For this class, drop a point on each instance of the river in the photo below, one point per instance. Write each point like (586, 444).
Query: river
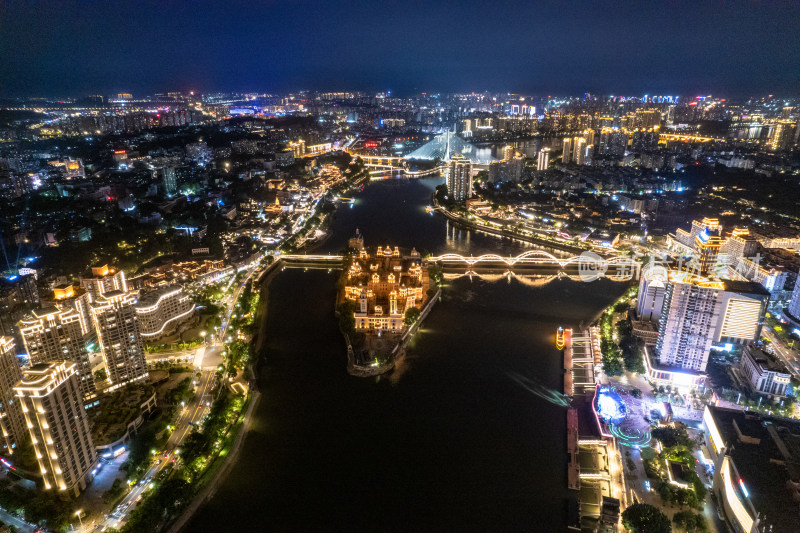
(468, 432)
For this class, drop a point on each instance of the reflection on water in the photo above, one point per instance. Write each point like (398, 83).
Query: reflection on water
(467, 434)
(528, 147)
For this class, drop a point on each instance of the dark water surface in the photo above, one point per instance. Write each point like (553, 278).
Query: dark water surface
(468, 433)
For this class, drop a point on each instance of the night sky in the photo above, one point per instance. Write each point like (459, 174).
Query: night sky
(69, 48)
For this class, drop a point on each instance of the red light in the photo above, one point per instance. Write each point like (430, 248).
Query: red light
(119, 151)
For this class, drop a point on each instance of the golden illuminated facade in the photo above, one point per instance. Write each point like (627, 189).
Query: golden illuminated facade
(12, 423)
(52, 334)
(385, 285)
(104, 279)
(120, 337)
(59, 428)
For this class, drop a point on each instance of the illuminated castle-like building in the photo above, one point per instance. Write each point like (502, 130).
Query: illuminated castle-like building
(383, 286)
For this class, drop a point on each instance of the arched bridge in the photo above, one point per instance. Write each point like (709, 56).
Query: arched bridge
(586, 264)
(539, 257)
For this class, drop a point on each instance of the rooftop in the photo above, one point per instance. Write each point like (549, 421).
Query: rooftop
(766, 452)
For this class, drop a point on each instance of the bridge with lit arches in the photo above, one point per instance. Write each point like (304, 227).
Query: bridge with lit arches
(618, 267)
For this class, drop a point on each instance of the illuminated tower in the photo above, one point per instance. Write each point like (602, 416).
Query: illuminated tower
(104, 279)
(59, 428)
(543, 159)
(688, 321)
(120, 339)
(652, 286)
(579, 150)
(168, 181)
(707, 247)
(792, 313)
(53, 334)
(566, 156)
(459, 178)
(12, 422)
(589, 136)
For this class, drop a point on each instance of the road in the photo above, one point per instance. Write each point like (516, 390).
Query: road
(189, 415)
(789, 357)
(20, 524)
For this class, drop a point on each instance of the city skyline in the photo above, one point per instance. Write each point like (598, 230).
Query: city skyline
(55, 49)
(399, 266)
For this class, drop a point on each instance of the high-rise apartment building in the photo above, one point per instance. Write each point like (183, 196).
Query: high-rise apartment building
(543, 159)
(652, 286)
(50, 398)
(698, 312)
(104, 279)
(459, 178)
(515, 168)
(741, 245)
(169, 182)
(118, 332)
(566, 153)
(792, 313)
(589, 136)
(579, 150)
(688, 318)
(743, 305)
(53, 334)
(707, 247)
(12, 423)
(73, 297)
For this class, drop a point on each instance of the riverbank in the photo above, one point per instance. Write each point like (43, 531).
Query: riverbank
(207, 492)
(511, 235)
(398, 352)
(476, 395)
(218, 473)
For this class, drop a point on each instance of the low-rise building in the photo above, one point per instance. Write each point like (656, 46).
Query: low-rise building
(385, 285)
(162, 310)
(762, 374)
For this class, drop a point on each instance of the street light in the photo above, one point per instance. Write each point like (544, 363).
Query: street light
(79, 512)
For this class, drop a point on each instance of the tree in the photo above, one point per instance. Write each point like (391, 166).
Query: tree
(652, 467)
(347, 319)
(673, 436)
(691, 522)
(644, 518)
(100, 375)
(412, 315)
(666, 493)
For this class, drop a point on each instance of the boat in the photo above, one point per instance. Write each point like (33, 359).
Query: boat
(560, 338)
